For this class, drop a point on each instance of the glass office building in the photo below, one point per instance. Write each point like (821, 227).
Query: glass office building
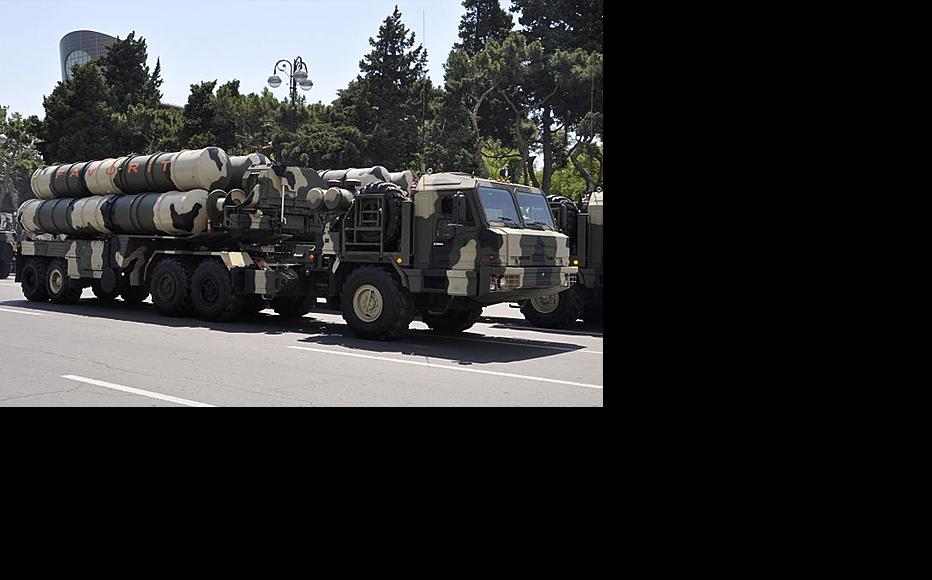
(81, 46)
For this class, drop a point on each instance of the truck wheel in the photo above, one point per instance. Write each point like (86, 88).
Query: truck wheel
(169, 284)
(452, 320)
(555, 310)
(58, 286)
(33, 280)
(134, 294)
(6, 266)
(104, 297)
(293, 306)
(375, 305)
(212, 293)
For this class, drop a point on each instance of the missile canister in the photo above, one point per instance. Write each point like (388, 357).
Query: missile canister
(338, 199)
(364, 176)
(174, 213)
(315, 198)
(207, 168)
(239, 164)
(403, 179)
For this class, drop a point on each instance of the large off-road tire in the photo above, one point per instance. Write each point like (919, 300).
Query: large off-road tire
(33, 280)
(134, 294)
(559, 310)
(293, 306)
(391, 218)
(170, 285)
(212, 292)
(375, 305)
(452, 320)
(58, 286)
(103, 297)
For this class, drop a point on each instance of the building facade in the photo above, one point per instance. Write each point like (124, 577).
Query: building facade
(81, 46)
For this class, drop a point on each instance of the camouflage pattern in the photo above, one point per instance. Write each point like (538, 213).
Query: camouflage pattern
(174, 213)
(533, 262)
(365, 176)
(207, 168)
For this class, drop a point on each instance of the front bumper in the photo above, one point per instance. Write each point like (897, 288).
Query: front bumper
(523, 283)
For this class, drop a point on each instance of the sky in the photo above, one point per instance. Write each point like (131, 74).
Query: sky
(203, 40)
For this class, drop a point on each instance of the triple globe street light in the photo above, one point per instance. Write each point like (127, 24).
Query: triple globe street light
(297, 73)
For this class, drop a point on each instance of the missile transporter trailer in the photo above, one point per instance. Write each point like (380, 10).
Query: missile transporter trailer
(583, 225)
(7, 245)
(219, 237)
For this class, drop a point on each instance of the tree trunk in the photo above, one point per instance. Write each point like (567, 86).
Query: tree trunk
(580, 167)
(547, 178)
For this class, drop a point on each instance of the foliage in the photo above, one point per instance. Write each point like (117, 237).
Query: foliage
(18, 158)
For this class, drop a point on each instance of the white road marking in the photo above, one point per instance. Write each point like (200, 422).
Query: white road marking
(515, 342)
(141, 392)
(20, 312)
(448, 367)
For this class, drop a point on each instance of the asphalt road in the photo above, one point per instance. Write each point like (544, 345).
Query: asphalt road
(119, 355)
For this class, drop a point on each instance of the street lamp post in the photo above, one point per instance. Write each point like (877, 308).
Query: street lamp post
(297, 73)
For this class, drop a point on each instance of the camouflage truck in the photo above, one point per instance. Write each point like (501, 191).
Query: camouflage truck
(7, 243)
(583, 225)
(218, 237)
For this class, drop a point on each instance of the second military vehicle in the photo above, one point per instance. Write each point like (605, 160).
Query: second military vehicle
(583, 225)
(7, 241)
(218, 236)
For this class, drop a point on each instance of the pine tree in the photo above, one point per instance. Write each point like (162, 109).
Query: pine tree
(386, 102)
(77, 124)
(128, 76)
(484, 20)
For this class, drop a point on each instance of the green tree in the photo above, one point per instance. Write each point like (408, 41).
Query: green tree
(387, 102)
(203, 122)
(484, 20)
(19, 158)
(124, 66)
(77, 124)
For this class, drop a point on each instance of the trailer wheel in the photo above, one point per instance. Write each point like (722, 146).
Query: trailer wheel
(212, 293)
(104, 297)
(375, 305)
(169, 285)
(57, 284)
(558, 310)
(452, 320)
(293, 306)
(33, 280)
(134, 294)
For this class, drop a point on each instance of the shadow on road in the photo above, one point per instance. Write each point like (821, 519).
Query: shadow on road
(586, 328)
(465, 348)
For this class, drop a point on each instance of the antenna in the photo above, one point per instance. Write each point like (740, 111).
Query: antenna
(424, 94)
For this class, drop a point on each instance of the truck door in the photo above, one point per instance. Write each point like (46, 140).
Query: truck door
(455, 245)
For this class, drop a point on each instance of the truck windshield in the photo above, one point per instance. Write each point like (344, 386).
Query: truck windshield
(535, 209)
(499, 206)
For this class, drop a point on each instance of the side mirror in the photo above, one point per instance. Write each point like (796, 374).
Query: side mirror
(459, 209)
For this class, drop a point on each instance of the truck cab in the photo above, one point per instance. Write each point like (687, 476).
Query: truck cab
(486, 241)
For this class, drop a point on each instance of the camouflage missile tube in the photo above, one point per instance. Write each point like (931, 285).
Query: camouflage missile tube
(208, 168)
(174, 213)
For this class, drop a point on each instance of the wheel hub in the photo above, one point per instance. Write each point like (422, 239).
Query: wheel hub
(56, 281)
(546, 304)
(368, 303)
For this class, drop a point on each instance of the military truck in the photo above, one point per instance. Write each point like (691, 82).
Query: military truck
(583, 225)
(7, 241)
(217, 237)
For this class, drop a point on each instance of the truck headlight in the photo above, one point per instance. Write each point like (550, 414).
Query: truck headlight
(503, 282)
(493, 283)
